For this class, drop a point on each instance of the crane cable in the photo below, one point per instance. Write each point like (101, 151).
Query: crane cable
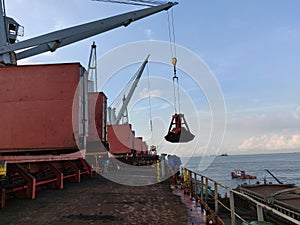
(172, 41)
(150, 106)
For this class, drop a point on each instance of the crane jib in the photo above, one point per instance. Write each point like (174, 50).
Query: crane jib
(57, 39)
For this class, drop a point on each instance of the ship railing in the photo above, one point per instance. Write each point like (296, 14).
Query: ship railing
(200, 188)
(275, 205)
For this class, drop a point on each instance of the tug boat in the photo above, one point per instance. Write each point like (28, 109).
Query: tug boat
(240, 174)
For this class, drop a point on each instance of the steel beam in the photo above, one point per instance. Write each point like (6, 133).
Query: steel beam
(76, 171)
(58, 175)
(57, 39)
(31, 181)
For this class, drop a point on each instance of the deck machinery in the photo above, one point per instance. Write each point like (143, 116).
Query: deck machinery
(45, 107)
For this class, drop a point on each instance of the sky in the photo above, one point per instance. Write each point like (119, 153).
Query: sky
(251, 48)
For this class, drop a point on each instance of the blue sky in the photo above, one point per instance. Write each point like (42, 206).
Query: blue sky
(252, 47)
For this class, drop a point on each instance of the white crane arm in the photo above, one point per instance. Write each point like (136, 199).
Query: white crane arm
(57, 39)
(132, 89)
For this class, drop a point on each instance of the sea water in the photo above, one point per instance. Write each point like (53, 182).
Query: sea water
(285, 166)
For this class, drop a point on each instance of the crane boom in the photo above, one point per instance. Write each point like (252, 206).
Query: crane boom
(273, 176)
(57, 39)
(116, 119)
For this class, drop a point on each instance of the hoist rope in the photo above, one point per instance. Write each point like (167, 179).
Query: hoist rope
(171, 33)
(135, 2)
(176, 90)
(173, 29)
(174, 94)
(150, 106)
(178, 97)
(172, 40)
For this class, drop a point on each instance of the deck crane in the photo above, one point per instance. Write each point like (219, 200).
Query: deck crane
(11, 51)
(115, 119)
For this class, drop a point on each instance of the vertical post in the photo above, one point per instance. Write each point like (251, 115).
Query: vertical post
(232, 210)
(260, 213)
(196, 187)
(5, 58)
(185, 177)
(3, 31)
(163, 166)
(158, 170)
(201, 188)
(216, 197)
(188, 182)
(206, 189)
(191, 183)
(95, 65)
(97, 169)
(85, 108)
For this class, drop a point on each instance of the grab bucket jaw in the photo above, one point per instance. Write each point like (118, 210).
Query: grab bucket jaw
(177, 133)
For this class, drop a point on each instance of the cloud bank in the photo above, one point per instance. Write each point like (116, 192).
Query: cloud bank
(271, 142)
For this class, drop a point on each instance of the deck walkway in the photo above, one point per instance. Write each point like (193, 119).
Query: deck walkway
(195, 214)
(98, 201)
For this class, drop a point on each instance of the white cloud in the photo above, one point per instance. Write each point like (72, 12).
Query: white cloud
(153, 93)
(271, 142)
(148, 33)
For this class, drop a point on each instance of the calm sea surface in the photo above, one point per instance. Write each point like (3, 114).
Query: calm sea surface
(285, 166)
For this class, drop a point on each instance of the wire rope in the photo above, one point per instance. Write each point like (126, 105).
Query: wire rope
(174, 94)
(150, 105)
(178, 95)
(172, 40)
(173, 29)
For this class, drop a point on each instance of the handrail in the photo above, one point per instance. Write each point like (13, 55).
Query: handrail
(192, 185)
